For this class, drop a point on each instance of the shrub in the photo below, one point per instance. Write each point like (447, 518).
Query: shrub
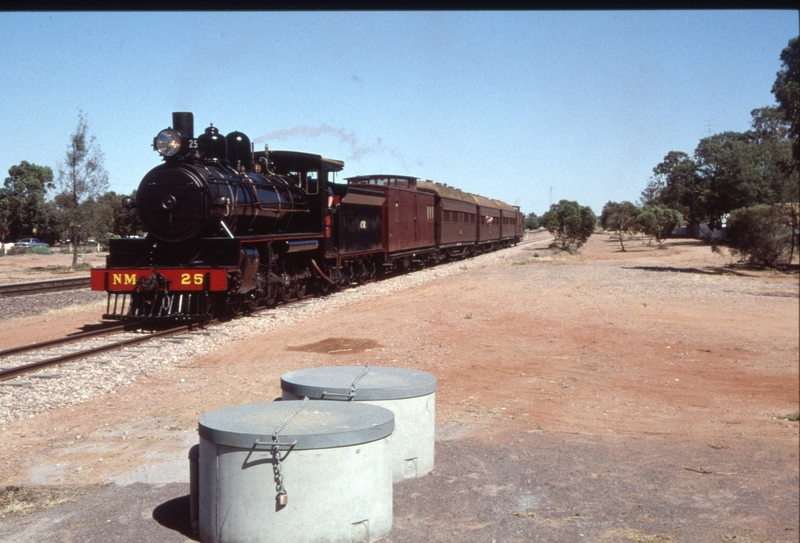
(658, 221)
(570, 223)
(759, 235)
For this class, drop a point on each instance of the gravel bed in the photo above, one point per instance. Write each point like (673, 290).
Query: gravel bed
(35, 304)
(76, 382)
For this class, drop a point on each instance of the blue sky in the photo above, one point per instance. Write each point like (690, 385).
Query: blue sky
(527, 107)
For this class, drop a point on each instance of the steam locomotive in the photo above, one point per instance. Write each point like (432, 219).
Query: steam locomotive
(230, 228)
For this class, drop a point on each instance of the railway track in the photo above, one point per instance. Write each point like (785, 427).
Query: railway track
(34, 357)
(26, 359)
(49, 285)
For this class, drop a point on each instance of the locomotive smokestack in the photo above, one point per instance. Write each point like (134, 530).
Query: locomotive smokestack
(183, 121)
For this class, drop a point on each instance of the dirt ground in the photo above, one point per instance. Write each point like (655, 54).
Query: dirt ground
(602, 396)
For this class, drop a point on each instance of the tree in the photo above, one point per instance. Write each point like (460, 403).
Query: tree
(23, 209)
(620, 217)
(759, 234)
(658, 221)
(124, 221)
(787, 92)
(532, 221)
(570, 223)
(678, 184)
(81, 177)
(726, 166)
(728, 171)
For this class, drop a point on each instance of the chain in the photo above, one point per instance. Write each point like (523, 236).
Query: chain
(276, 454)
(353, 387)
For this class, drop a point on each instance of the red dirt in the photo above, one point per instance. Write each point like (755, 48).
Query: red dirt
(518, 351)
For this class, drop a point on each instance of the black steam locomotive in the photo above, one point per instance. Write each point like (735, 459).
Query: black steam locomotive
(230, 228)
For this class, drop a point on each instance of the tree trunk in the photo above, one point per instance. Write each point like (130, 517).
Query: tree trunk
(74, 240)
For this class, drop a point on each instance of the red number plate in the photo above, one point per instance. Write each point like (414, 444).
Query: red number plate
(181, 279)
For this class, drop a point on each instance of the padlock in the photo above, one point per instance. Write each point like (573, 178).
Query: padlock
(282, 499)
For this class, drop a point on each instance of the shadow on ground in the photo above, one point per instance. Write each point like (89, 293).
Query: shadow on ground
(174, 515)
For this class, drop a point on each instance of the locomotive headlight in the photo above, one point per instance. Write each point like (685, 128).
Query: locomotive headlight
(168, 142)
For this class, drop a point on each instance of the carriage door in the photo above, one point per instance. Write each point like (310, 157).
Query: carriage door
(416, 222)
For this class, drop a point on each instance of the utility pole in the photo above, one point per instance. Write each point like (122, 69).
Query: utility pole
(710, 121)
(551, 194)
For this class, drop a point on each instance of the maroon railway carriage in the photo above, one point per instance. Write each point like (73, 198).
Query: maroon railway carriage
(406, 217)
(488, 224)
(455, 219)
(512, 223)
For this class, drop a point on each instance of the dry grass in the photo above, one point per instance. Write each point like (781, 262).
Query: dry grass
(633, 535)
(15, 500)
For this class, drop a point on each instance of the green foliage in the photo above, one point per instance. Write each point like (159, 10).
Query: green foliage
(570, 223)
(677, 184)
(79, 210)
(23, 209)
(533, 221)
(124, 221)
(759, 234)
(82, 178)
(620, 217)
(728, 171)
(787, 91)
(658, 221)
(40, 250)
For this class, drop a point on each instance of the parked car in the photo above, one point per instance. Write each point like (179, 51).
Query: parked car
(30, 242)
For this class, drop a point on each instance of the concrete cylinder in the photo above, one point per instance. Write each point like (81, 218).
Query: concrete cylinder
(334, 465)
(409, 394)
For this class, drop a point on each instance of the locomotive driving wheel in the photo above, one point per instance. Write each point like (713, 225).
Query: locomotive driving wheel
(272, 294)
(250, 302)
(234, 303)
(301, 282)
(286, 289)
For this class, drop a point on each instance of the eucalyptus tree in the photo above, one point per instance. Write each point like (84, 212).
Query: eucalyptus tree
(787, 91)
(658, 221)
(570, 223)
(82, 178)
(23, 209)
(621, 218)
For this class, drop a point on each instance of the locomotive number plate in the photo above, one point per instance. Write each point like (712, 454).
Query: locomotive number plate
(180, 279)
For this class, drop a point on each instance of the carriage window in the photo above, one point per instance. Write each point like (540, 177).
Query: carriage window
(430, 213)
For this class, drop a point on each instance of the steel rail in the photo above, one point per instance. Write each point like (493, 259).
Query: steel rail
(49, 285)
(108, 330)
(10, 373)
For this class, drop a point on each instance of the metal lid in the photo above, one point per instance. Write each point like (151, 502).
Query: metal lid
(378, 383)
(319, 425)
